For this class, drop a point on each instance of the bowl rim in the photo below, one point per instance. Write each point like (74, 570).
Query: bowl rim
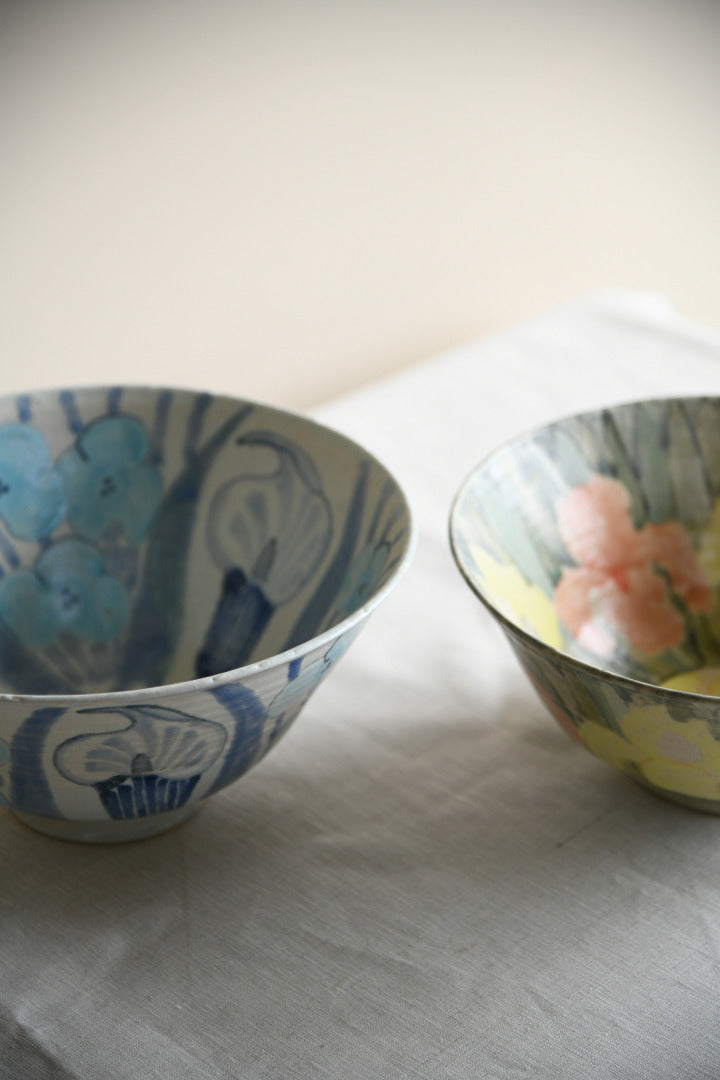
(276, 660)
(530, 641)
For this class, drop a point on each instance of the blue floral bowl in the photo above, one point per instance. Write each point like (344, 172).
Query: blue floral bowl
(178, 572)
(595, 542)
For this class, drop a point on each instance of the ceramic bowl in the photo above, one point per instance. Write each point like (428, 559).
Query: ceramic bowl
(595, 542)
(178, 572)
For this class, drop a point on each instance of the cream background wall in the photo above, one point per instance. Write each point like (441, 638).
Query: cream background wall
(285, 201)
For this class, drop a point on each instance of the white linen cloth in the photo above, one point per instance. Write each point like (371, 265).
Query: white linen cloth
(426, 878)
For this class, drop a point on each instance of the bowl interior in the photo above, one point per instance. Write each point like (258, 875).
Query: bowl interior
(151, 536)
(599, 535)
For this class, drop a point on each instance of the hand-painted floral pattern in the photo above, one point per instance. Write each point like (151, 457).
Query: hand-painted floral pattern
(302, 681)
(68, 589)
(32, 499)
(526, 604)
(627, 578)
(120, 585)
(104, 490)
(269, 529)
(107, 479)
(148, 765)
(705, 680)
(614, 516)
(374, 561)
(149, 738)
(273, 519)
(683, 758)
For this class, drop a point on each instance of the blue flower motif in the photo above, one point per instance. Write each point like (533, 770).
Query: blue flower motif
(32, 500)
(302, 681)
(146, 739)
(107, 479)
(67, 589)
(149, 764)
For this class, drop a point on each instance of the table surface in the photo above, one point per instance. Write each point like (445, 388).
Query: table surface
(426, 878)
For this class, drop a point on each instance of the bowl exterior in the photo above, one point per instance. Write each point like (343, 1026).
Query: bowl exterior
(107, 771)
(178, 572)
(667, 741)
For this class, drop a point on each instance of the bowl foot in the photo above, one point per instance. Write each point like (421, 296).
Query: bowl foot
(704, 806)
(108, 832)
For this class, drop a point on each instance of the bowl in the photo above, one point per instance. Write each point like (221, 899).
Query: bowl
(595, 543)
(178, 573)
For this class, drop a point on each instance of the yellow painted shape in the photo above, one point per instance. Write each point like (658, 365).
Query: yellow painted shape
(704, 680)
(680, 757)
(526, 604)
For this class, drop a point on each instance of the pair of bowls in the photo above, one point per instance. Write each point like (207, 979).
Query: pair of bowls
(179, 572)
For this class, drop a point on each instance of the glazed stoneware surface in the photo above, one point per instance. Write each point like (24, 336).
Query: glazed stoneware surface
(178, 572)
(596, 544)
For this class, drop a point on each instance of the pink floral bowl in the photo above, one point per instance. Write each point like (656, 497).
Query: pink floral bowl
(595, 543)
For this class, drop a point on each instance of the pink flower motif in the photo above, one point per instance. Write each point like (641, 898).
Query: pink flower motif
(621, 582)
